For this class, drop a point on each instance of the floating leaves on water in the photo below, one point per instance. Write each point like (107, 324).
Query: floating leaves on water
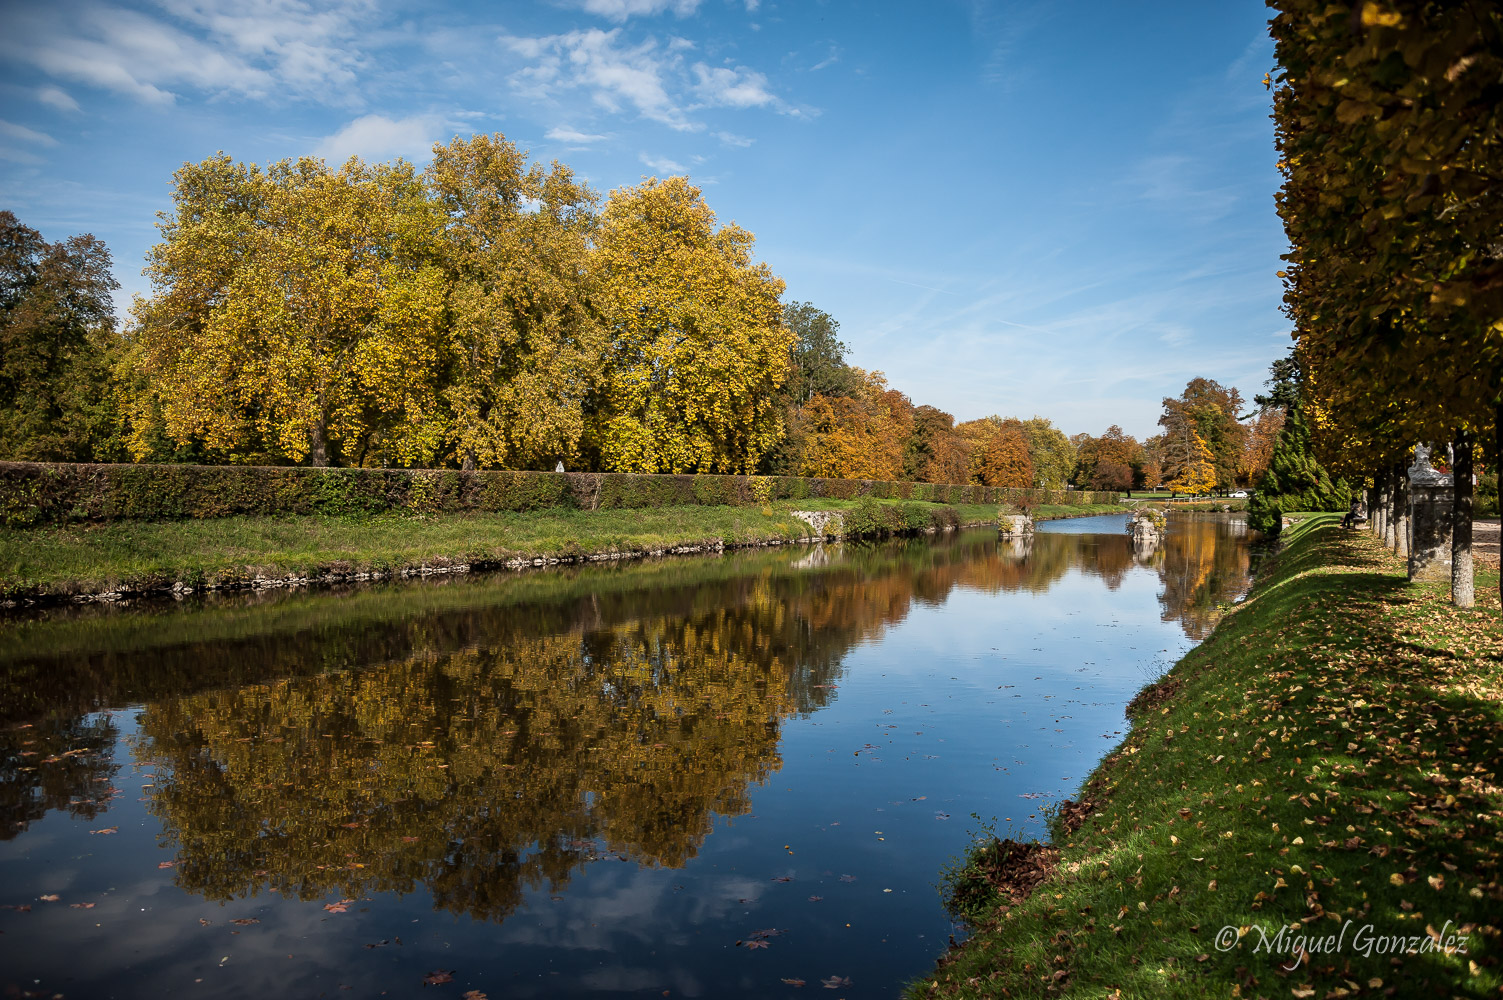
(108, 829)
(835, 982)
(82, 906)
(815, 899)
(793, 982)
(51, 898)
(847, 878)
(342, 906)
(246, 921)
(782, 878)
(438, 977)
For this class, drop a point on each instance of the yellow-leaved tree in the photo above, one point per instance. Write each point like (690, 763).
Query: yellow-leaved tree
(697, 341)
(297, 313)
(524, 342)
(1198, 473)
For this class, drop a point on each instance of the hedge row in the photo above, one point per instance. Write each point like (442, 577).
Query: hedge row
(45, 493)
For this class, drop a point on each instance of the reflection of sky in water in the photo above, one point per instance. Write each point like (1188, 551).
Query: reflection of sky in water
(967, 679)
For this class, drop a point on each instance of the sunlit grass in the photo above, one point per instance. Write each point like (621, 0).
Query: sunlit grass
(1328, 757)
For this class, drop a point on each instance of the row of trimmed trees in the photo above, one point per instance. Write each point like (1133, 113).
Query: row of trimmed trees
(1389, 120)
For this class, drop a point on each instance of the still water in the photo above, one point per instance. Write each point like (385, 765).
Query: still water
(702, 777)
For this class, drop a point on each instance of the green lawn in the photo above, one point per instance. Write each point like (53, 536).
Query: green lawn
(1327, 762)
(94, 558)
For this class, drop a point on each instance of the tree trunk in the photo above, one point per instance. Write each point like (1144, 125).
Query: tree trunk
(1395, 505)
(1462, 581)
(319, 444)
(468, 465)
(1400, 510)
(1380, 503)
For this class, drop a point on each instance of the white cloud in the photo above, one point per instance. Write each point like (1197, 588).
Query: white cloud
(614, 74)
(732, 139)
(663, 165)
(620, 10)
(752, 5)
(377, 138)
(255, 48)
(562, 133)
(57, 99)
(21, 133)
(736, 88)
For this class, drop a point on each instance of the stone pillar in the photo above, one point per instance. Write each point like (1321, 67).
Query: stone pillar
(1430, 505)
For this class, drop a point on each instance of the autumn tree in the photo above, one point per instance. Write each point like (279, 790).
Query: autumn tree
(1005, 462)
(1390, 134)
(57, 343)
(857, 437)
(1208, 413)
(934, 452)
(524, 344)
(698, 346)
(297, 313)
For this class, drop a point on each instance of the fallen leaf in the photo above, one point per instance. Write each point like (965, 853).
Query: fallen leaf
(836, 982)
(82, 906)
(438, 977)
(793, 982)
(53, 898)
(108, 829)
(245, 921)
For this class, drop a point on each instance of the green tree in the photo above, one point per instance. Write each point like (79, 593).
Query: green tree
(57, 345)
(1295, 480)
(1052, 454)
(818, 366)
(1206, 412)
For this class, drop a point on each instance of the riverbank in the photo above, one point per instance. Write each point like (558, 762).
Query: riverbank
(120, 558)
(1320, 776)
(141, 557)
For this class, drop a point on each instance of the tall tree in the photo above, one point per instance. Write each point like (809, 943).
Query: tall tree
(1206, 412)
(935, 453)
(1390, 134)
(57, 340)
(698, 343)
(817, 361)
(297, 312)
(524, 342)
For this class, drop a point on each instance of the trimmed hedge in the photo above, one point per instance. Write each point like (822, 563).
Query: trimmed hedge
(33, 493)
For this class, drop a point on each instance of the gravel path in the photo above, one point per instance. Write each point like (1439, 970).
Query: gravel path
(1485, 541)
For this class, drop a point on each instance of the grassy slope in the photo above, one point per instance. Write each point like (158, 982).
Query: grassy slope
(1330, 754)
(91, 558)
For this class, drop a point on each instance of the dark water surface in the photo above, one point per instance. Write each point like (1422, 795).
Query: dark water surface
(696, 777)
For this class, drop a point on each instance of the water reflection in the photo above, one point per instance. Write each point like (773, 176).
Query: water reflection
(482, 739)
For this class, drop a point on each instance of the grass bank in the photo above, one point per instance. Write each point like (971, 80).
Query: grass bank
(1321, 776)
(1054, 512)
(146, 555)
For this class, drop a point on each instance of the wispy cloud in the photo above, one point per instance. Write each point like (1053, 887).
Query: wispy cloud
(256, 48)
(736, 88)
(563, 133)
(644, 76)
(621, 10)
(732, 139)
(57, 99)
(663, 165)
(20, 133)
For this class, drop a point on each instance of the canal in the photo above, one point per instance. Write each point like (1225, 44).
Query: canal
(696, 777)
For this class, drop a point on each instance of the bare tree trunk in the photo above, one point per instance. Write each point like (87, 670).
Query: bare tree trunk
(1380, 503)
(1462, 582)
(1395, 505)
(1400, 510)
(319, 448)
(468, 465)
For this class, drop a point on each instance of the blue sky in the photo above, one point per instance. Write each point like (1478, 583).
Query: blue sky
(1054, 208)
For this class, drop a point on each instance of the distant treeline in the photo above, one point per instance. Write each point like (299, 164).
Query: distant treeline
(490, 313)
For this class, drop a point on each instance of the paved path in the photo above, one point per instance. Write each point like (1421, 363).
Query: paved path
(1485, 541)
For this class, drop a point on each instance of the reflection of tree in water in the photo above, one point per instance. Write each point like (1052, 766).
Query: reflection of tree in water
(59, 763)
(484, 747)
(1205, 564)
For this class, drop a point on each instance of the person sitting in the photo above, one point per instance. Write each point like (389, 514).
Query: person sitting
(1353, 515)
